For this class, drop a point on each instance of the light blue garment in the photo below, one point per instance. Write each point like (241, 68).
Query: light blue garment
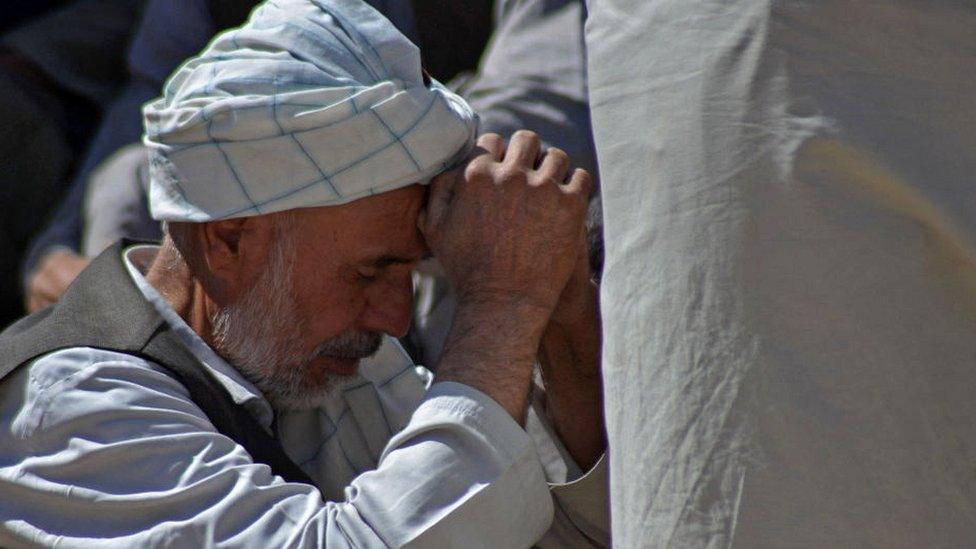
(104, 449)
(310, 103)
(789, 299)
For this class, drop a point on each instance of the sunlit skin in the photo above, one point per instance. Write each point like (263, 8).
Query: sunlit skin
(355, 275)
(350, 275)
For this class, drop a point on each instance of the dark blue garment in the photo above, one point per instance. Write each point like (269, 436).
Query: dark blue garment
(59, 71)
(16, 12)
(169, 32)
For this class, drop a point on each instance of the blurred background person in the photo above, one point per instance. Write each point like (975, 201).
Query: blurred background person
(59, 69)
(16, 11)
(168, 32)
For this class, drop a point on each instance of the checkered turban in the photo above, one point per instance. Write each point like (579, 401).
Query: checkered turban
(310, 103)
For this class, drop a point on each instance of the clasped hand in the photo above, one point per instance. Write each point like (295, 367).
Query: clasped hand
(509, 230)
(508, 227)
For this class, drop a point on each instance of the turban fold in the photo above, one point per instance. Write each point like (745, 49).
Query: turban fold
(310, 103)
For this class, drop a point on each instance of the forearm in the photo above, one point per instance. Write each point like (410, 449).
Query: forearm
(569, 357)
(492, 347)
(460, 456)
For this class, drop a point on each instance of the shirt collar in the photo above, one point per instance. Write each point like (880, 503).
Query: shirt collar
(390, 372)
(137, 260)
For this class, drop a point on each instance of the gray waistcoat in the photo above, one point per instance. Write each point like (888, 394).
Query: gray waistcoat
(104, 309)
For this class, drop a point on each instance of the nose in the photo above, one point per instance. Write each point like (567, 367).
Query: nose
(389, 306)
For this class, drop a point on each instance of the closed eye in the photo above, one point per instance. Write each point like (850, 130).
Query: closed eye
(368, 274)
(372, 269)
(389, 260)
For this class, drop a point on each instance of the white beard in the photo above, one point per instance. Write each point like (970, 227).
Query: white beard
(260, 336)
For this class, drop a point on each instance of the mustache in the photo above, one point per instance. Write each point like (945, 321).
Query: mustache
(348, 345)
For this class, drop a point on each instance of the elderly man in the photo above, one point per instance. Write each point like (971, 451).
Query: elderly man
(238, 384)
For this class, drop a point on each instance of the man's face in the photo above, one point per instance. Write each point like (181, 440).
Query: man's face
(336, 279)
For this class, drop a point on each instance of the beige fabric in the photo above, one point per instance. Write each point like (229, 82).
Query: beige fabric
(790, 290)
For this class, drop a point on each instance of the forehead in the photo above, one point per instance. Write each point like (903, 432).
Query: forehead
(385, 224)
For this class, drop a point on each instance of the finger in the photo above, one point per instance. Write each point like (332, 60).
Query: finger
(34, 304)
(523, 150)
(38, 299)
(554, 165)
(42, 285)
(64, 278)
(439, 194)
(493, 144)
(49, 292)
(579, 183)
(422, 220)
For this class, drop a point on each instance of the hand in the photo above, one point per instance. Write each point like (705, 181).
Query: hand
(578, 300)
(51, 278)
(505, 230)
(507, 235)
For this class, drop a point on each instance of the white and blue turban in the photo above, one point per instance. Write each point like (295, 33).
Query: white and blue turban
(310, 103)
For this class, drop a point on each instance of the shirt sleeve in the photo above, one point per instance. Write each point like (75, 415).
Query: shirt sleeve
(115, 452)
(581, 498)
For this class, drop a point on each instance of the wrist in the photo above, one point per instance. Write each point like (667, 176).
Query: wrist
(569, 351)
(578, 305)
(513, 321)
(492, 347)
(505, 377)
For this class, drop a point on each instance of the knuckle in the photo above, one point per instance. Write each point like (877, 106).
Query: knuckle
(584, 180)
(576, 201)
(479, 168)
(491, 140)
(490, 137)
(557, 154)
(536, 178)
(527, 135)
(509, 173)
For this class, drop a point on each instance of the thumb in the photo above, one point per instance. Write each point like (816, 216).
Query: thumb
(438, 201)
(422, 220)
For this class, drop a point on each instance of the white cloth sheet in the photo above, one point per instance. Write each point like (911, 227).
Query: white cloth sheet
(790, 290)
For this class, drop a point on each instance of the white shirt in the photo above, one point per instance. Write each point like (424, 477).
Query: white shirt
(104, 449)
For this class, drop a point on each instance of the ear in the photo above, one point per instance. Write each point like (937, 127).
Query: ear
(235, 251)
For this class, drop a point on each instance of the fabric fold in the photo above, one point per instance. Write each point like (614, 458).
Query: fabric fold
(298, 108)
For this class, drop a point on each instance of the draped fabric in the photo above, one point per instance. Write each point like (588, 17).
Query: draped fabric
(789, 296)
